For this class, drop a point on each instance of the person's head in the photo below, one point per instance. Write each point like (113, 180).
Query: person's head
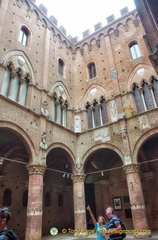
(4, 218)
(109, 211)
(101, 220)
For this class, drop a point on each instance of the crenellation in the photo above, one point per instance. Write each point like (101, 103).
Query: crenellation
(75, 108)
(70, 38)
(98, 26)
(75, 39)
(53, 20)
(124, 11)
(110, 19)
(63, 30)
(86, 33)
(43, 9)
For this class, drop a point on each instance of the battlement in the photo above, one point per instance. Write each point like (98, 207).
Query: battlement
(110, 19)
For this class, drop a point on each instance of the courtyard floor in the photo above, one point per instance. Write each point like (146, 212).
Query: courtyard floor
(62, 236)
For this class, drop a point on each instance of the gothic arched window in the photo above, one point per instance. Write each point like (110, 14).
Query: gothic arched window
(104, 113)
(135, 51)
(148, 98)
(25, 198)
(138, 99)
(97, 113)
(24, 35)
(59, 109)
(7, 197)
(15, 84)
(89, 115)
(60, 200)
(155, 90)
(47, 199)
(60, 66)
(91, 70)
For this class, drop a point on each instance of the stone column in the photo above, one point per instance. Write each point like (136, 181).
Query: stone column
(35, 199)
(79, 202)
(6, 82)
(105, 194)
(150, 180)
(14, 87)
(140, 222)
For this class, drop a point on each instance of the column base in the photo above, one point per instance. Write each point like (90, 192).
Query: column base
(80, 235)
(142, 235)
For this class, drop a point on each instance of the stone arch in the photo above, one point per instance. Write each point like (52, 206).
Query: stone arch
(84, 44)
(36, 12)
(135, 77)
(28, 4)
(16, 54)
(151, 78)
(65, 44)
(27, 28)
(66, 149)
(59, 37)
(102, 90)
(77, 50)
(141, 141)
(93, 40)
(110, 31)
(58, 182)
(101, 146)
(101, 35)
(45, 22)
(25, 138)
(119, 25)
(53, 31)
(128, 20)
(58, 84)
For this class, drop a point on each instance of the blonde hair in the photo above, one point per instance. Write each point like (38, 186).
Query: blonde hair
(102, 218)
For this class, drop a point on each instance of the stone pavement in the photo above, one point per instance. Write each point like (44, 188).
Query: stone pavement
(62, 236)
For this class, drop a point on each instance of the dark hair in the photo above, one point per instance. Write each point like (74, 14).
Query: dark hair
(111, 209)
(4, 213)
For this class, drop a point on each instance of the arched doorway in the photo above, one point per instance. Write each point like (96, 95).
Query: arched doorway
(14, 156)
(105, 174)
(148, 160)
(58, 191)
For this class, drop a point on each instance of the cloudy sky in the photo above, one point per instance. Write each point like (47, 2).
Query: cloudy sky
(78, 16)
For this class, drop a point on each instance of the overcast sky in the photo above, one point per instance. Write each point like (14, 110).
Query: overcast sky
(78, 16)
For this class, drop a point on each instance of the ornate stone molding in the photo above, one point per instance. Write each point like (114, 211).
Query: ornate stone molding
(79, 163)
(104, 182)
(36, 169)
(149, 175)
(131, 168)
(78, 178)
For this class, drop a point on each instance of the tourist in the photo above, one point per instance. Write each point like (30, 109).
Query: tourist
(5, 233)
(99, 225)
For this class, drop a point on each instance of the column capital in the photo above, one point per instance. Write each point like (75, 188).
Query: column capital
(78, 178)
(131, 168)
(36, 169)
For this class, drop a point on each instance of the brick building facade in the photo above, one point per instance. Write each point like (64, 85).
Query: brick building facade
(78, 122)
(147, 10)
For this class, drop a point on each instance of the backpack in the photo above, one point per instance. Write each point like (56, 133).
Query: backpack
(123, 228)
(9, 234)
